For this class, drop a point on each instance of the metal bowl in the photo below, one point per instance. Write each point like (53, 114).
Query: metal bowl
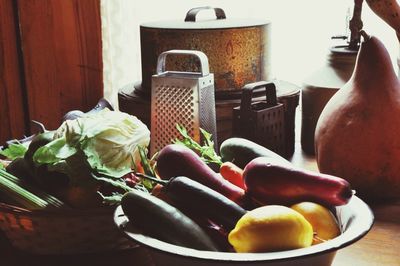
(355, 219)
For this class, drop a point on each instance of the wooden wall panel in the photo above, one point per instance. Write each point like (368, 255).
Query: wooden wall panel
(62, 56)
(12, 115)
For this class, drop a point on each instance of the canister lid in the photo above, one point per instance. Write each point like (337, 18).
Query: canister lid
(190, 22)
(205, 24)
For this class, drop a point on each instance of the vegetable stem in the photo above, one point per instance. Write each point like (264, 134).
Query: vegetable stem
(9, 186)
(152, 178)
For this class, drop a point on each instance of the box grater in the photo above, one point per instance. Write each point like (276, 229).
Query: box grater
(184, 98)
(262, 121)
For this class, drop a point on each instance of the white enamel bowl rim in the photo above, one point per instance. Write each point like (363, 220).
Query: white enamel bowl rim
(356, 219)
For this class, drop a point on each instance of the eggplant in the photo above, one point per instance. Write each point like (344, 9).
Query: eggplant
(177, 160)
(270, 181)
(241, 151)
(163, 221)
(191, 196)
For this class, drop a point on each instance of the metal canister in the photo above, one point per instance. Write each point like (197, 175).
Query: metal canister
(320, 86)
(238, 50)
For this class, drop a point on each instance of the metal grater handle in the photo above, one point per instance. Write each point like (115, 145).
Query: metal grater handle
(204, 67)
(247, 97)
(247, 94)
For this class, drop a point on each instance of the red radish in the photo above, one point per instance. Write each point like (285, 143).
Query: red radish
(131, 179)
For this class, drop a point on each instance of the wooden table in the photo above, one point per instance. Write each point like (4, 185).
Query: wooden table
(380, 247)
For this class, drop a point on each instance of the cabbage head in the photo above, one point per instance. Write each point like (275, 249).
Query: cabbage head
(108, 140)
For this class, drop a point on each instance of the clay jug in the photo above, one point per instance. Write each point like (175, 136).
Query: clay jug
(357, 136)
(319, 87)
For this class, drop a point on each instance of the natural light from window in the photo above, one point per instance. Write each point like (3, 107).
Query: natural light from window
(301, 31)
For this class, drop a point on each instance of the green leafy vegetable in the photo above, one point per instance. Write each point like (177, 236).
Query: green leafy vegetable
(3, 164)
(108, 139)
(205, 151)
(112, 182)
(14, 151)
(148, 168)
(95, 152)
(114, 199)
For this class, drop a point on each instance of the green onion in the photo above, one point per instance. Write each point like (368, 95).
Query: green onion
(26, 195)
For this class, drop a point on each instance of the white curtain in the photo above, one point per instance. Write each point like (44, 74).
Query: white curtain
(301, 32)
(120, 46)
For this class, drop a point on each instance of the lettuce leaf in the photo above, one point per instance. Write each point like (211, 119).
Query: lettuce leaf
(14, 151)
(108, 139)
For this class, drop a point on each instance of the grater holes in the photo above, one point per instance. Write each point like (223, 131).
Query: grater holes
(173, 106)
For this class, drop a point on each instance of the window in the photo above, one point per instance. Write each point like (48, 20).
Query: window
(301, 31)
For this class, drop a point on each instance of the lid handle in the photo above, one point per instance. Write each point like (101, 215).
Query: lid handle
(204, 67)
(191, 14)
(247, 96)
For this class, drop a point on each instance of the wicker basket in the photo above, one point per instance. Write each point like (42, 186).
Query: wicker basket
(61, 232)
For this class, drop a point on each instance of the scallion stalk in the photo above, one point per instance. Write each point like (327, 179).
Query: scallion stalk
(27, 196)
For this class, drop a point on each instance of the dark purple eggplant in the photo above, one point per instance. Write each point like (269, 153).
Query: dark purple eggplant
(192, 196)
(269, 181)
(163, 221)
(177, 160)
